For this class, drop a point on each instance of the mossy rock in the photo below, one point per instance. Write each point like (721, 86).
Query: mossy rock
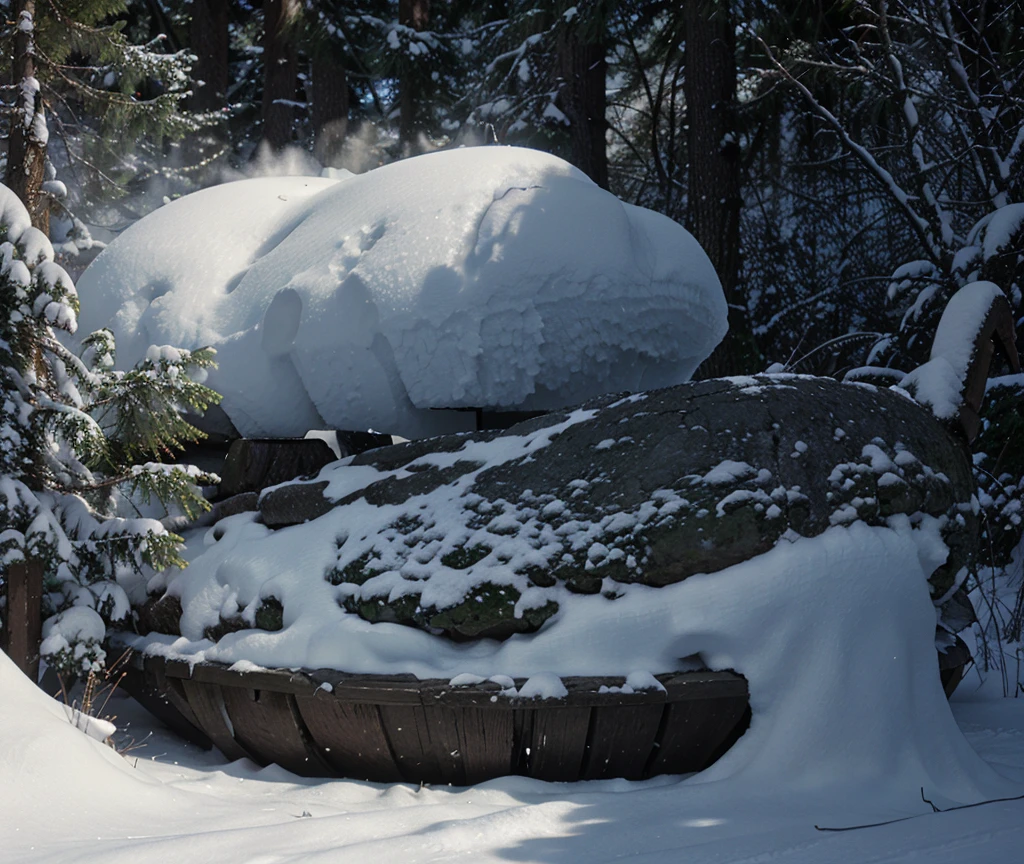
(269, 615)
(159, 614)
(464, 557)
(488, 612)
(690, 479)
(646, 489)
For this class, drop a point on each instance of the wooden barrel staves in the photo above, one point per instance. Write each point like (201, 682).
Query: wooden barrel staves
(400, 728)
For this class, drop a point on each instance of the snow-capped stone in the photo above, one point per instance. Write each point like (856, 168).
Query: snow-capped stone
(293, 503)
(478, 277)
(490, 534)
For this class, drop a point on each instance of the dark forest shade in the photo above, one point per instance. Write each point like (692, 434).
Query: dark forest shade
(208, 32)
(279, 82)
(714, 198)
(584, 69)
(330, 110)
(414, 14)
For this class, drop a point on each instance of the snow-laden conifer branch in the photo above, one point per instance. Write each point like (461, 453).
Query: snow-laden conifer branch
(79, 439)
(943, 72)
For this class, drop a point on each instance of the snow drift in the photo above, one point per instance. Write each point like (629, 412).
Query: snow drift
(483, 277)
(844, 685)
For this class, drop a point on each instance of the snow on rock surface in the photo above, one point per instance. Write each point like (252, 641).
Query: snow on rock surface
(490, 536)
(487, 534)
(493, 276)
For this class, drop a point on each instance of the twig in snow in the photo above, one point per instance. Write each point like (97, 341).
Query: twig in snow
(919, 815)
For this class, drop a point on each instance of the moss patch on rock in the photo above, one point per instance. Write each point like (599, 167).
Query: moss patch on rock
(464, 557)
(268, 615)
(487, 612)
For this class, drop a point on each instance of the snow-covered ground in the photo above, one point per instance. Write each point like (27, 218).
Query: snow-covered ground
(850, 727)
(67, 798)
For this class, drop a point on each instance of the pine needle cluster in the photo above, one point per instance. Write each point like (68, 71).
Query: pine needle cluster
(113, 105)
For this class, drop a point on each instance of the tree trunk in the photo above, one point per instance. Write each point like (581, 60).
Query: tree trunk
(330, 110)
(26, 155)
(22, 625)
(208, 34)
(414, 14)
(583, 70)
(714, 199)
(279, 72)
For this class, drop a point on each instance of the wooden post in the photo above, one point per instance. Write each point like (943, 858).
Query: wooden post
(23, 624)
(996, 334)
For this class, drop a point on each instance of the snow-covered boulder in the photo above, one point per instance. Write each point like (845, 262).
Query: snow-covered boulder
(482, 277)
(493, 534)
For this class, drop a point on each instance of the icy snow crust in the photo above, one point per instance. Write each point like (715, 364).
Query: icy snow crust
(478, 277)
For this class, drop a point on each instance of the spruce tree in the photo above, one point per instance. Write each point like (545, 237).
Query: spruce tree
(79, 443)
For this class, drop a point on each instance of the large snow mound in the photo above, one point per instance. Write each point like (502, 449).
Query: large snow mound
(835, 635)
(480, 277)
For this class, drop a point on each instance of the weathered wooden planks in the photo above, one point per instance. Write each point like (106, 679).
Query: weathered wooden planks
(621, 740)
(394, 728)
(486, 743)
(268, 725)
(163, 697)
(207, 704)
(557, 743)
(692, 733)
(351, 737)
(425, 743)
(252, 464)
